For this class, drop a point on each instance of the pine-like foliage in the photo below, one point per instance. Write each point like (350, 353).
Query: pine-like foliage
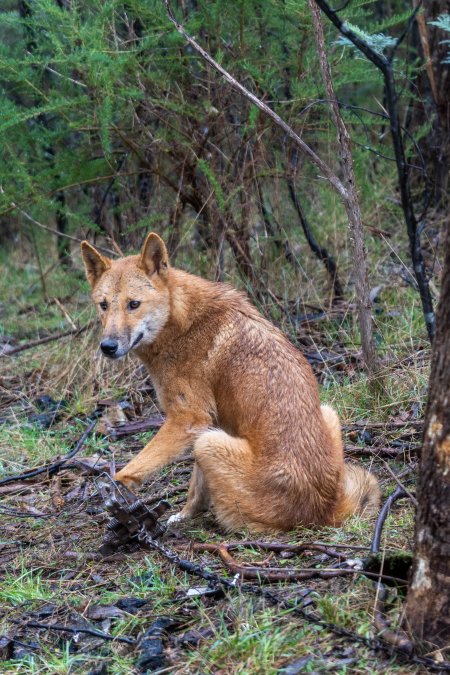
(443, 22)
(377, 41)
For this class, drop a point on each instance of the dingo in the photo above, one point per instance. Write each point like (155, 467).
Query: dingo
(267, 454)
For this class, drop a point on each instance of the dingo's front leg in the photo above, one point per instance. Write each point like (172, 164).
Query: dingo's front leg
(175, 435)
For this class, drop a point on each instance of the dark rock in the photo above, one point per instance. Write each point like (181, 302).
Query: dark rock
(131, 605)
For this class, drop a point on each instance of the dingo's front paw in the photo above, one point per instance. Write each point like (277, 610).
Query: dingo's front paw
(129, 482)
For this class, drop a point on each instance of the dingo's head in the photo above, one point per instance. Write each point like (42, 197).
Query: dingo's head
(131, 295)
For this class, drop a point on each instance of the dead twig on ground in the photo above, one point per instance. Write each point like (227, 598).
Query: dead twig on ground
(44, 340)
(381, 623)
(75, 629)
(136, 427)
(366, 424)
(274, 574)
(381, 451)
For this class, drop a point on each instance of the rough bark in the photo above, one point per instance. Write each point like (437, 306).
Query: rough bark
(433, 103)
(428, 601)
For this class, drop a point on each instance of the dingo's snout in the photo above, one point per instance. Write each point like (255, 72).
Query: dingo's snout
(109, 347)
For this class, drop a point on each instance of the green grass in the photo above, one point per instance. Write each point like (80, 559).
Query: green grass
(24, 586)
(24, 301)
(24, 446)
(53, 662)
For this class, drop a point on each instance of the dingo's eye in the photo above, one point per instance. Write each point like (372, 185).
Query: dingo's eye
(133, 304)
(103, 305)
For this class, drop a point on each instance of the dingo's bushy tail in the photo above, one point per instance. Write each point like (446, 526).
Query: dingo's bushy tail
(361, 492)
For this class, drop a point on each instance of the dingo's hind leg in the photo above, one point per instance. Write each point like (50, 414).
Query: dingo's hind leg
(227, 464)
(197, 498)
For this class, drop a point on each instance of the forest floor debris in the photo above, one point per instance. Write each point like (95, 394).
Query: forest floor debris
(64, 603)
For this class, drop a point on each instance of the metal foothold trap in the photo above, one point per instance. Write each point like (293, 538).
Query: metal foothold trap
(129, 517)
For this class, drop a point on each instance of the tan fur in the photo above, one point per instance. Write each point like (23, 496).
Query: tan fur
(267, 455)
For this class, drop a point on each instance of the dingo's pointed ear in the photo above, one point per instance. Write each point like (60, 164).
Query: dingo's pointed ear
(154, 257)
(94, 263)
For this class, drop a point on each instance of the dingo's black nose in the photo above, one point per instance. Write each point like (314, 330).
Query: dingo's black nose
(109, 347)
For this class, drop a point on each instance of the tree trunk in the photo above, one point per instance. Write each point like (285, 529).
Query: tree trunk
(428, 601)
(433, 104)
(350, 202)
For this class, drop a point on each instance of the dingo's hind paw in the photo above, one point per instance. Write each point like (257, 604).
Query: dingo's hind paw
(176, 518)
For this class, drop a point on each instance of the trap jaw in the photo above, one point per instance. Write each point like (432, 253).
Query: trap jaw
(130, 516)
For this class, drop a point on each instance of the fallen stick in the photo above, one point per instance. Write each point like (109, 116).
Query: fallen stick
(382, 425)
(380, 451)
(273, 574)
(75, 629)
(43, 341)
(152, 422)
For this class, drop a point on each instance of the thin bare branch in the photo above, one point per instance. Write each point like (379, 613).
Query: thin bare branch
(351, 202)
(44, 340)
(56, 232)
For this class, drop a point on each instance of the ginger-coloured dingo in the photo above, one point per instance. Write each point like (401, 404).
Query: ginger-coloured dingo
(267, 454)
